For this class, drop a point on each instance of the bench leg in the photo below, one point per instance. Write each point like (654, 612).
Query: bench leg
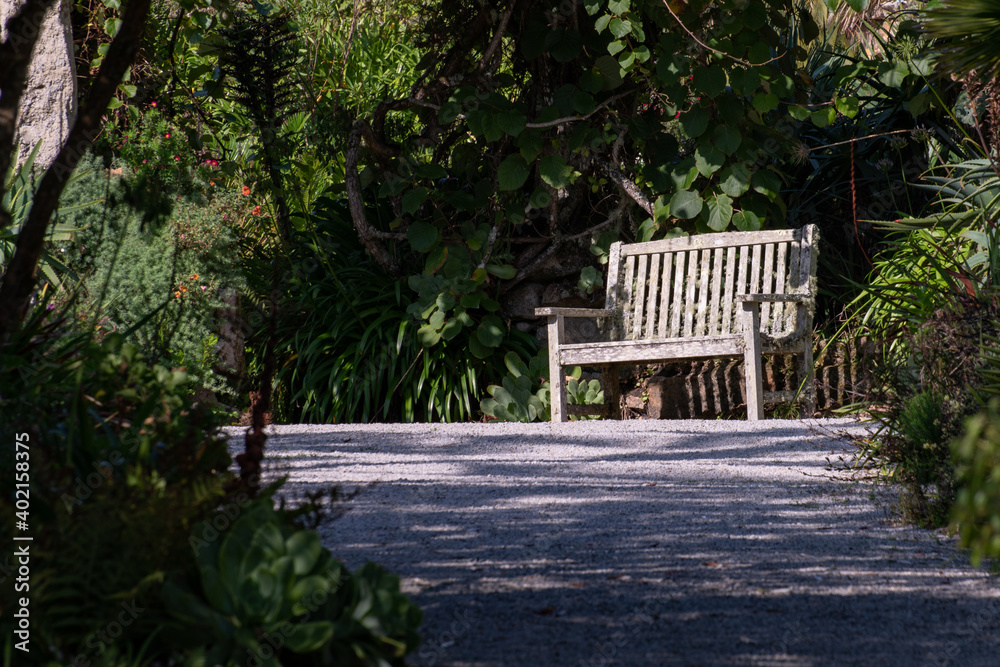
(612, 396)
(557, 378)
(752, 365)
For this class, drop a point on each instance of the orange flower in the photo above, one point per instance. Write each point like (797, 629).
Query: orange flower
(194, 276)
(256, 210)
(246, 191)
(177, 295)
(184, 288)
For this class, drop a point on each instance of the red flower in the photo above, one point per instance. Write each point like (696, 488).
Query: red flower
(256, 210)
(246, 191)
(177, 158)
(152, 104)
(167, 135)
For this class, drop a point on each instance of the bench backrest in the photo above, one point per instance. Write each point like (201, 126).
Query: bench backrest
(687, 287)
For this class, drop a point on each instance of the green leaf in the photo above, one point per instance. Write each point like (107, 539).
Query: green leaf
(620, 28)
(511, 121)
(824, 117)
(413, 199)
(431, 170)
(422, 236)
(848, 106)
(554, 171)
(601, 23)
(763, 102)
(112, 26)
(564, 44)
(449, 112)
(728, 139)
(734, 180)
(694, 122)
(858, 5)
(798, 113)
(619, 6)
(710, 81)
(610, 70)
(490, 332)
(530, 143)
(720, 211)
(744, 81)
(616, 47)
(767, 183)
(512, 172)
(708, 159)
(685, 204)
(583, 102)
(592, 6)
(591, 81)
(746, 221)
(892, 74)
(502, 271)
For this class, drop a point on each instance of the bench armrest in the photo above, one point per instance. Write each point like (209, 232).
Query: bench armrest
(574, 312)
(773, 298)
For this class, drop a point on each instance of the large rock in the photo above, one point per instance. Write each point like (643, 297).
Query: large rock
(48, 106)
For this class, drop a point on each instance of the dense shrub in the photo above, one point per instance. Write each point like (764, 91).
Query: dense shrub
(146, 550)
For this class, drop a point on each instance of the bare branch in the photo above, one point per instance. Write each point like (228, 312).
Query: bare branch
(352, 183)
(630, 188)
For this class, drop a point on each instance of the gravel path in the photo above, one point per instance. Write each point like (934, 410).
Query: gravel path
(643, 543)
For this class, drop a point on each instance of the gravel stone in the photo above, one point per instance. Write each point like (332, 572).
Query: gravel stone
(642, 543)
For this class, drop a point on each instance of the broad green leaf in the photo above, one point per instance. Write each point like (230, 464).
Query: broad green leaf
(431, 170)
(858, 5)
(746, 221)
(685, 204)
(694, 122)
(620, 28)
(413, 199)
(744, 81)
(892, 74)
(602, 23)
(734, 180)
(767, 183)
(591, 81)
(824, 117)
(511, 121)
(422, 236)
(616, 47)
(848, 106)
(512, 172)
(554, 171)
(619, 6)
(490, 331)
(710, 81)
(564, 44)
(502, 271)
(708, 159)
(765, 102)
(720, 211)
(609, 69)
(798, 112)
(530, 143)
(449, 112)
(728, 139)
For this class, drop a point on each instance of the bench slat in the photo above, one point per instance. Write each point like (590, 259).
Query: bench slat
(689, 303)
(717, 240)
(677, 304)
(649, 331)
(661, 329)
(595, 354)
(639, 299)
(791, 285)
(767, 285)
(755, 258)
(701, 323)
(778, 310)
(728, 297)
(626, 303)
(718, 255)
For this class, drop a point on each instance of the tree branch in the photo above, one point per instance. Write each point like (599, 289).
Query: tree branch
(627, 186)
(352, 183)
(20, 276)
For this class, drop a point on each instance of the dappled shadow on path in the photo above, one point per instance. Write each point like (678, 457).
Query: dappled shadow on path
(646, 547)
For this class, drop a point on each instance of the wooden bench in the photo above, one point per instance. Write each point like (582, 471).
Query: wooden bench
(711, 295)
